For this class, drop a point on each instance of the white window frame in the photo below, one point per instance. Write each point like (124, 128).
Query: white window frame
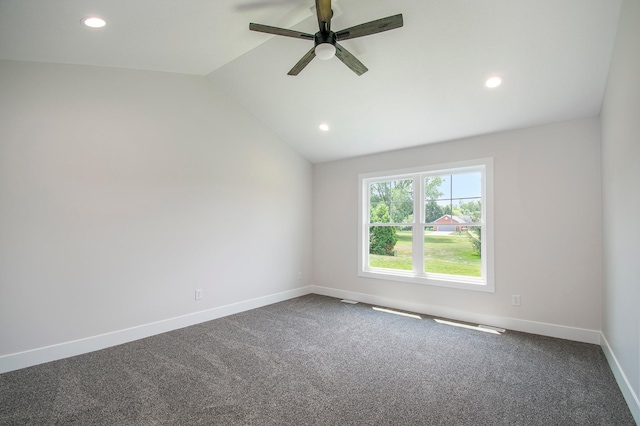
(485, 283)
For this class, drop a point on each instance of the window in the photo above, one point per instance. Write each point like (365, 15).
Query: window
(431, 225)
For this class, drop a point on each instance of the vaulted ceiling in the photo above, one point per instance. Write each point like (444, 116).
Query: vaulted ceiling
(425, 81)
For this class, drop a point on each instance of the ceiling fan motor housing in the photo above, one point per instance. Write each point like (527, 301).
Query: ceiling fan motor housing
(325, 44)
(321, 37)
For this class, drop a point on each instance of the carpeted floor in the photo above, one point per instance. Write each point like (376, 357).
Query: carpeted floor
(316, 361)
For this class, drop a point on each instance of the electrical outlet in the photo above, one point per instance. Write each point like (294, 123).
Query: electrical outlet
(515, 300)
(199, 294)
(299, 276)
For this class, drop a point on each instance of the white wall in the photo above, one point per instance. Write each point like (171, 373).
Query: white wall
(547, 230)
(621, 202)
(123, 191)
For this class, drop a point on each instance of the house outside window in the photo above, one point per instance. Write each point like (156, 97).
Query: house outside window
(431, 225)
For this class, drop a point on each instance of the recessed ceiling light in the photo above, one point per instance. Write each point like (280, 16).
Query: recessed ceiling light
(94, 22)
(493, 81)
(324, 127)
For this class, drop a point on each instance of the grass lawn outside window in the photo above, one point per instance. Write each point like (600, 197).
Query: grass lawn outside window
(445, 253)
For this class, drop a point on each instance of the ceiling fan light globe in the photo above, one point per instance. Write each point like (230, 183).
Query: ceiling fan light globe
(325, 51)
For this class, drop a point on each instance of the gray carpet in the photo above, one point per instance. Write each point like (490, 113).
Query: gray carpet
(315, 360)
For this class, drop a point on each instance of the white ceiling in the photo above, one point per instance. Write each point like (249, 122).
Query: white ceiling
(425, 80)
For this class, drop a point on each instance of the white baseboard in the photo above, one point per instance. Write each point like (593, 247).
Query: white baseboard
(623, 382)
(32, 357)
(29, 358)
(543, 329)
(77, 347)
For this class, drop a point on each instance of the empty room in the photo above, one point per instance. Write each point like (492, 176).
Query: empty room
(270, 212)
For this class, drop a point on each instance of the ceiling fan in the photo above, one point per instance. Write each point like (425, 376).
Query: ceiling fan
(325, 41)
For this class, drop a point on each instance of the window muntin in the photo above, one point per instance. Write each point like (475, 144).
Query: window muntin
(439, 216)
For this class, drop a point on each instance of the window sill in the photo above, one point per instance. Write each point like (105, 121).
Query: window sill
(439, 280)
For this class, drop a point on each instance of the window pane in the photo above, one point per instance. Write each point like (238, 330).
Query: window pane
(391, 247)
(437, 187)
(436, 211)
(466, 185)
(402, 212)
(378, 189)
(432, 211)
(391, 201)
(453, 198)
(454, 252)
(379, 213)
(468, 210)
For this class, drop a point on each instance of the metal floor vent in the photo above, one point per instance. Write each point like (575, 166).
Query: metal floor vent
(483, 328)
(391, 311)
(489, 327)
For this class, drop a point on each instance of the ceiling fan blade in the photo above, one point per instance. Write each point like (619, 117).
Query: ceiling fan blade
(279, 31)
(323, 9)
(373, 27)
(303, 62)
(349, 60)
